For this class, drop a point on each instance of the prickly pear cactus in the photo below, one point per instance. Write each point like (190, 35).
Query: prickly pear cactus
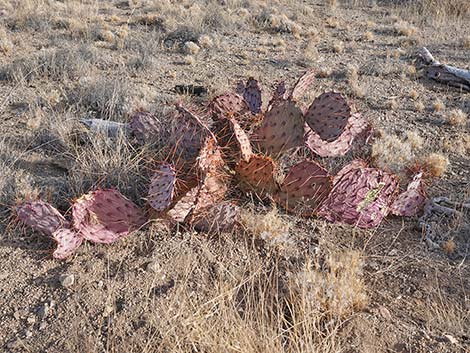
(303, 83)
(67, 242)
(282, 128)
(328, 115)
(162, 187)
(258, 174)
(251, 93)
(210, 157)
(234, 140)
(339, 147)
(305, 188)
(411, 201)
(219, 218)
(279, 95)
(361, 196)
(104, 216)
(184, 206)
(145, 127)
(41, 216)
(229, 104)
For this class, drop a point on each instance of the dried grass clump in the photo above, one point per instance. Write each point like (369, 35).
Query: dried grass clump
(438, 105)
(392, 153)
(338, 47)
(465, 42)
(270, 227)
(368, 36)
(436, 164)
(279, 23)
(339, 289)
(419, 106)
(456, 117)
(415, 140)
(404, 28)
(191, 48)
(5, 44)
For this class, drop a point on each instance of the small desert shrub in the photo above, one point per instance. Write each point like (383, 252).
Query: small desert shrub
(404, 28)
(438, 105)
(414, 139)
(392, 153)
(338, 290)
(278, 23)
(5, 44)
(270, 227)
(338, 47)
(456, 117)
(108, 98)
(182, 35)
(56, 64)
(436, 164)
(419, 106)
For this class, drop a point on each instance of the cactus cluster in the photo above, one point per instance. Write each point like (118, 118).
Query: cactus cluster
(236, 145)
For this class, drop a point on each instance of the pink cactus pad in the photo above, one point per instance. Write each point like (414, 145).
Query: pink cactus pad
(104, 216)
(304, 189)
(362, 197)
(282, 128)
(328, 115)
(251, 93)
(162, 187)
(67, 242)
(303, 83)
(411, 201)
(145, 127)
(339, 147)
(41, 216)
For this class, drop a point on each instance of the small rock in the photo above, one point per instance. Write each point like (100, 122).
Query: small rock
(451, 339)
(385, 313)
(43, 311)
(28, 334)
(43, 325)
(31, 320)
(154, 267)
(67, 280)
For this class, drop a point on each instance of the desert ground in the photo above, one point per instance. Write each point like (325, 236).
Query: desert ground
(279, 282)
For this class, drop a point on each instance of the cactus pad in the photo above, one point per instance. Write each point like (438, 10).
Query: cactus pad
(304, 189)
(67, 242)
(251, 93)
(258, 174)
(184, 206)
(361, 196)
(104, 216)
(229, 104)
(339, 147)
(210, 157)
(219, 218)
(304, 82)
(328, 115)
(162, 187)
(411, 201)
(282, 128)
(41, 216)
(145, 127)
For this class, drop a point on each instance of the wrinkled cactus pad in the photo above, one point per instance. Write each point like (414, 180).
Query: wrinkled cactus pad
(282, 128)
(184, 206)
(67, 242)
(361, 197)
(41, 216)
(304, 189)
(229, 104)
(145, 127)
(104, 216)
(339, 147)
(411, 201)
(251, 93)
(221, 217)
(328, 115)
(303, 83)
(210, 157)
(162, 187)
(258, 174)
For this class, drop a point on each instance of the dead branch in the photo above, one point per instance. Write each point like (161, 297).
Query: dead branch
(443, 73)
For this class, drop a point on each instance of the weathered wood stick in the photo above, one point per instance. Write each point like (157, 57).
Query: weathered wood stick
(442, 73)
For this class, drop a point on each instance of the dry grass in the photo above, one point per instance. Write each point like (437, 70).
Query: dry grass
(456, 117)
(436, 164)
(392, 153)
